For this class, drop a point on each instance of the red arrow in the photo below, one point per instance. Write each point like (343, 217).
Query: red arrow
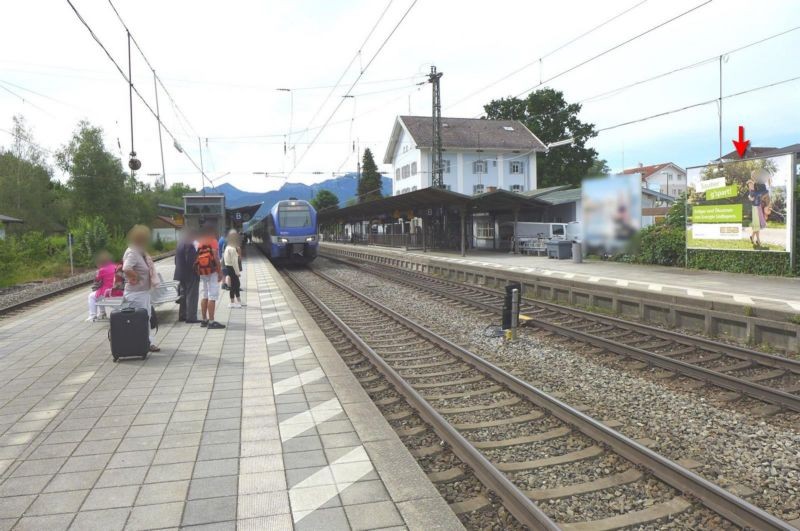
(741, 144)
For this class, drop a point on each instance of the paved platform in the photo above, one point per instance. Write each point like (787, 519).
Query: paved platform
(259, 426)
(779, 293)
(747, 308)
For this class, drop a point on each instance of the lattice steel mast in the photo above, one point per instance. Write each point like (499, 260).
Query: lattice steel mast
(437, 180)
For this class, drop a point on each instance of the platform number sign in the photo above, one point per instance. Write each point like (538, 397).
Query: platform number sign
(238, 216)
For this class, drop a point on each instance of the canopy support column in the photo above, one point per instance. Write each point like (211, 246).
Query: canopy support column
(514, 236)
(463, 231)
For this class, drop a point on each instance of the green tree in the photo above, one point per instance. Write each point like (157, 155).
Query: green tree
(370, 181)
(99, 185)
(598, 168)
(26, 187)
(548, 115)
(325, 200)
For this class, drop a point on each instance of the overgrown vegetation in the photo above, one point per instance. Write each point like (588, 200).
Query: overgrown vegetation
(98, 201)
(665, 244)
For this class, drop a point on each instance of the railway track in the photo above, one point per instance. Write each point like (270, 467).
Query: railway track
(510, 434)
(769, 378)
(78, 281)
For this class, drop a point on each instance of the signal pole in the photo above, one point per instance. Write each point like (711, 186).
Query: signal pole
(437, 180)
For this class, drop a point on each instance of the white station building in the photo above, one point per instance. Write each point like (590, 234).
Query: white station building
(478, 156)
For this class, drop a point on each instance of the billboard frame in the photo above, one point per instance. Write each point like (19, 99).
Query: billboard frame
(791, 185)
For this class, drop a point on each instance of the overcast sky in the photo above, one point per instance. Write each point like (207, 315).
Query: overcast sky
(223, 61)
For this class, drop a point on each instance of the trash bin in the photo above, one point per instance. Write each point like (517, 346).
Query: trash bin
(560, 249)
(577, 252)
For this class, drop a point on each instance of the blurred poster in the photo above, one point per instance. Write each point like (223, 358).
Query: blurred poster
(612, 211)
(742, 205)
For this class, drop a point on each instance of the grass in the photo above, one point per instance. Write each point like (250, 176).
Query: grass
(731, 245)
(795, 319)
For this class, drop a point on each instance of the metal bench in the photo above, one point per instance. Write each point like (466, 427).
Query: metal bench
(167, 291)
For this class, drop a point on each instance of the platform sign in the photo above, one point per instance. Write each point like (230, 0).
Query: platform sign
(743, 205)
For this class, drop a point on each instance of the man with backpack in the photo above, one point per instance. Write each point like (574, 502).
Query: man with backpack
(208, 268)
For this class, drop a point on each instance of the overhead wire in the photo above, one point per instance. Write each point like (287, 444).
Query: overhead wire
(699, 104)
(548, 54)
(615, 47)
(135, 90)
(355, 82)
(347, 68)
(686, 67)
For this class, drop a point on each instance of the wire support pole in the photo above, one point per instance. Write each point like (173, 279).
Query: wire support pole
(160, 140)
(130, 97)
(436, 114)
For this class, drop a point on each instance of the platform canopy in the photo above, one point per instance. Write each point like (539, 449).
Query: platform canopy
(418, 202)
(415, 202)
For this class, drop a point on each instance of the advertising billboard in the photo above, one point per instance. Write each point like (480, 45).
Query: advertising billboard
(611, 211)
(743, 205)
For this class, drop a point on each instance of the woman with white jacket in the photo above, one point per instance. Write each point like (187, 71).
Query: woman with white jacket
(233, 270)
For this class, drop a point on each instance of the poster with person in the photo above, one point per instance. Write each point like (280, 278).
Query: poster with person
(743, 205)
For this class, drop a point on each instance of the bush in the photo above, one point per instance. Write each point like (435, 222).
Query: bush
(158, 245)
(91, 235)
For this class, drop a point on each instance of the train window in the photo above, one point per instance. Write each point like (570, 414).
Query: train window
(294, 217)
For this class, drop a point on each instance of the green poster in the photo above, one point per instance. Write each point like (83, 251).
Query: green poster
(722, 193)
(717, 214)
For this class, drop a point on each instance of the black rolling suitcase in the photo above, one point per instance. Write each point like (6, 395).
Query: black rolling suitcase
(129, 333)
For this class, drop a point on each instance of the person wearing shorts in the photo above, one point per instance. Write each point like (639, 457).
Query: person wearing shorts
(210, 276)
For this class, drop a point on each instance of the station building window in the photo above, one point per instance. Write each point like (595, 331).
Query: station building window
(484, 230)
(479, 166)
(413, 168)
(516, 167)
(477, 189)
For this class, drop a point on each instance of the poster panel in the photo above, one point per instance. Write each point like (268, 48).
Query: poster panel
(743, 205)
(611, 209)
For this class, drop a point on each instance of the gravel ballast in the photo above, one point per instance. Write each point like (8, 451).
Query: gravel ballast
(750, 455)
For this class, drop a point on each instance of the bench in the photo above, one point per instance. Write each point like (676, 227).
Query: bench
(538, 247)
(167, 291)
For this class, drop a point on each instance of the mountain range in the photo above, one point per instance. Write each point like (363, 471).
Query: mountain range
(343, 187)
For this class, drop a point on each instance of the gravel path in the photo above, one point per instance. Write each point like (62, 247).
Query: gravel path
(736, 450)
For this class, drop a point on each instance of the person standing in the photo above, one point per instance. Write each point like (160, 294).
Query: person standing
(189, 282)
(103, 281)
(221, 247)
(233, 269)
(140, 273)
(208, 268)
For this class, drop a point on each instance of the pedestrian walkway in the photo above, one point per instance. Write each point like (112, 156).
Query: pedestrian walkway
(259, 426)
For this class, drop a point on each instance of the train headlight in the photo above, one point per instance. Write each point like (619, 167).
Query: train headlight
(311, 238)
(283, 240)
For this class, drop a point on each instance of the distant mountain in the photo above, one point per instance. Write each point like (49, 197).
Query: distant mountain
(344, 187)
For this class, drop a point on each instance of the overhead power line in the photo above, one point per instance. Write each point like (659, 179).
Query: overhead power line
(615, 47)
(699, 104)
(135, 90)
(548, 54)
(350, 64)
(353, 84)
(687, 67)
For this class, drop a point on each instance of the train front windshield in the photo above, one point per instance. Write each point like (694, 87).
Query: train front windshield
(294, 217)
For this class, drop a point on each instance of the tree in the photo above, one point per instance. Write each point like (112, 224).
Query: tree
(26, 188)
(99, 185)
(325, 200)
(599, 168)
(370, 181)
(548, 115)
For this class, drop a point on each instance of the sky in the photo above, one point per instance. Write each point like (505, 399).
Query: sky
(222, 64)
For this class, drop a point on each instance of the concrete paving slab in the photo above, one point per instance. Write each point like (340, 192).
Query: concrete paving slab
(258, 426)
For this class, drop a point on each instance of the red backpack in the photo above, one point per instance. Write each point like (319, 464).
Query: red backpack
(205, 264)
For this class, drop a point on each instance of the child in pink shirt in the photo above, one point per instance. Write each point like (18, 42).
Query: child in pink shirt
(104, 282)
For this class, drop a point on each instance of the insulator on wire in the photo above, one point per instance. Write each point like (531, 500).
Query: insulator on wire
(134, 163)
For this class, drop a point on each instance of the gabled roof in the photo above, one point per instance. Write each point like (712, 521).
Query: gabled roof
(658, 195)
(751, 151)
(169, 222)
(647, 171)
(465, 133)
